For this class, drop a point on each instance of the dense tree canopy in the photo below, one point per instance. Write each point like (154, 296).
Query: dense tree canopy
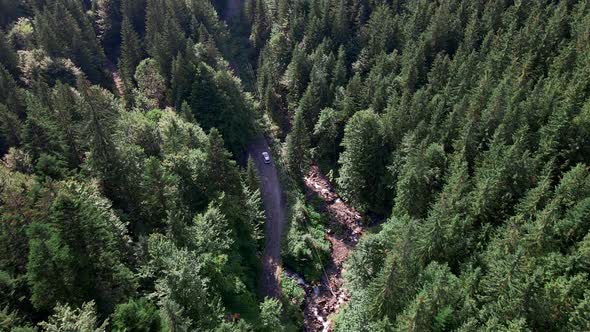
(461, 123)
(127, 201)
(118, 210)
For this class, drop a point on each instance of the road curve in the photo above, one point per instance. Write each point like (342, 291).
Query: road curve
(274, 207)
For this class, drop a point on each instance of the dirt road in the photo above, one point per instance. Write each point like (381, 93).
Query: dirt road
(343, 232)
(232, 8)
(274, 206)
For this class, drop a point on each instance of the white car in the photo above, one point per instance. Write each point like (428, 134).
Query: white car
(266, 157)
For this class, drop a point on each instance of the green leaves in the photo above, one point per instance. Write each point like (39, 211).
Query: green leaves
(66, 319)
(151, 86)
(183, 281)
(137, 315)
(306, 250)
(270, 315)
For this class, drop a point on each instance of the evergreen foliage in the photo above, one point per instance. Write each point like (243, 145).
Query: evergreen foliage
(463, 124)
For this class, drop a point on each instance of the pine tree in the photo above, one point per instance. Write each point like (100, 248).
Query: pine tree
(37, 136)
(362, 161)
(297, 76)
(151, 85)
(310, 104)
(10, 94)
(164, 35)
(64, 30)
(64, 262)
(64, 123)
(156, 190)
(108, 22)
(260, 23)
(187, 295)
(448, 221)
(131, 55)
(399, 273)
(78, 319)
(297, 148)
(10, 128)
(187, 113)
(183, 72)
(222, 171)
(339, 73)
(435, 303)
(8, 57)
(328, 133)
(100, 115)
(499, 163)
(205, 100)
(270, 315)
(137, 315)
(340, 25)
(135, 12)
(251, 175)
(419, 179)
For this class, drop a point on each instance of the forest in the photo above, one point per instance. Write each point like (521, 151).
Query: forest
(453, 134)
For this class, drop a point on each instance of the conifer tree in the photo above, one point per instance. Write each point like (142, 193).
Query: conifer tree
(151, 85)
(205, 100)
(297, 148)
(108, 22)
(10, 129)
(310, 104)
(187, 113)
(340, 72)
(419, 179)
(448, 220)
(222, 172)
(297, 76)
(270, 315)
(137, 315)
(328, 133)
(8, 57)
(164, 35)
(187, 297)
(100, 112)
(362, 161)
(64, 30)
(260, 23)
(68, 123)
(341, 25)
(135, 12)
(79, 223)
(78, 319)
(131, 55)
(10, 94)
(474, 151)
(156, 185)
(183, 72)
(251, 175)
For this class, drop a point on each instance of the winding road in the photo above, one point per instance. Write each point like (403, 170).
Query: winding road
(274, 207)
